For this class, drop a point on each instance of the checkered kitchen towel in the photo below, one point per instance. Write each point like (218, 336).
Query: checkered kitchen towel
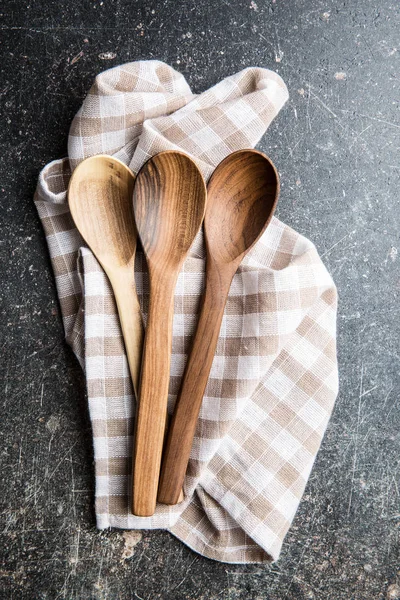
(274, 377)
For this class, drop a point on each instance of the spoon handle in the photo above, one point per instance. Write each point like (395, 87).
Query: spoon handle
(184, 420)
(131, 322)
(153, 396)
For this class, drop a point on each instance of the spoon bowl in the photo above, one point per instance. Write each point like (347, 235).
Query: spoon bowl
(242, 196)
(169, 208)
(99, 197)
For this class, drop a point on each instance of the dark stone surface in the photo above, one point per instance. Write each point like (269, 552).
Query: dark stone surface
(336, 146)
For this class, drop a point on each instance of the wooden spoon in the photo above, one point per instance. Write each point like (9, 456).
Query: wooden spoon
(100, 200)
(169, 202)
(242, 195)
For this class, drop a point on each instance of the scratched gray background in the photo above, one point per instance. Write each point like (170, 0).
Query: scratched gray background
(336, 146)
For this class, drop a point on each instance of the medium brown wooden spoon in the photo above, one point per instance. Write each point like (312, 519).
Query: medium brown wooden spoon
(100, 200)
(169, 202)
(242, 195)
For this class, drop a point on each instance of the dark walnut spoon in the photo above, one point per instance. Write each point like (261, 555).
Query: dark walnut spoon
(242, 196)
(169, 203)
(100, 201)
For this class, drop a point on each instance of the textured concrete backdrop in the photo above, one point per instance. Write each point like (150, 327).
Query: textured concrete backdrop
(336, 146)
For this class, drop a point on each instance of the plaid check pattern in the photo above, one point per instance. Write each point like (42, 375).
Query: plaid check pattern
(274, 378)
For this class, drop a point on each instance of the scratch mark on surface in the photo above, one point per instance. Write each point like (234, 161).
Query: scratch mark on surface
(357, 114)
(368, 391)
(356, 439)
(76, 58)
(323, 104)
(338, 242)
(279, 54)
(390, 411)
(386, 397)
(359, 135)
(291, 150)
(73, 487)
(187, 573)
(100, 568)
(308, 107)
(20, 452)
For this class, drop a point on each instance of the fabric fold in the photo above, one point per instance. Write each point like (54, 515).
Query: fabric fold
(274, 379)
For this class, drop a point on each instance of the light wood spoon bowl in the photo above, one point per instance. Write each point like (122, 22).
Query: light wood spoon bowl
(242, 196)
(169, 202)
(100, 201)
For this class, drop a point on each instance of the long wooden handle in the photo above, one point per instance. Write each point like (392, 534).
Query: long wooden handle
(183, 425)
(153, 397)
(131, 321)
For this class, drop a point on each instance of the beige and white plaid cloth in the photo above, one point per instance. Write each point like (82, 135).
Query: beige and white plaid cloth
(274, 377)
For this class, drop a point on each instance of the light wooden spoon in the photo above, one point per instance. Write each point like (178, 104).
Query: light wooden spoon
(242, 195)
(100, 200)
(169, 202)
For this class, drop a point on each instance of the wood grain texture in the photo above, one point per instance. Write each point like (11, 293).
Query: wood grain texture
(169, 202)
(242, 196)
(100, 200)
